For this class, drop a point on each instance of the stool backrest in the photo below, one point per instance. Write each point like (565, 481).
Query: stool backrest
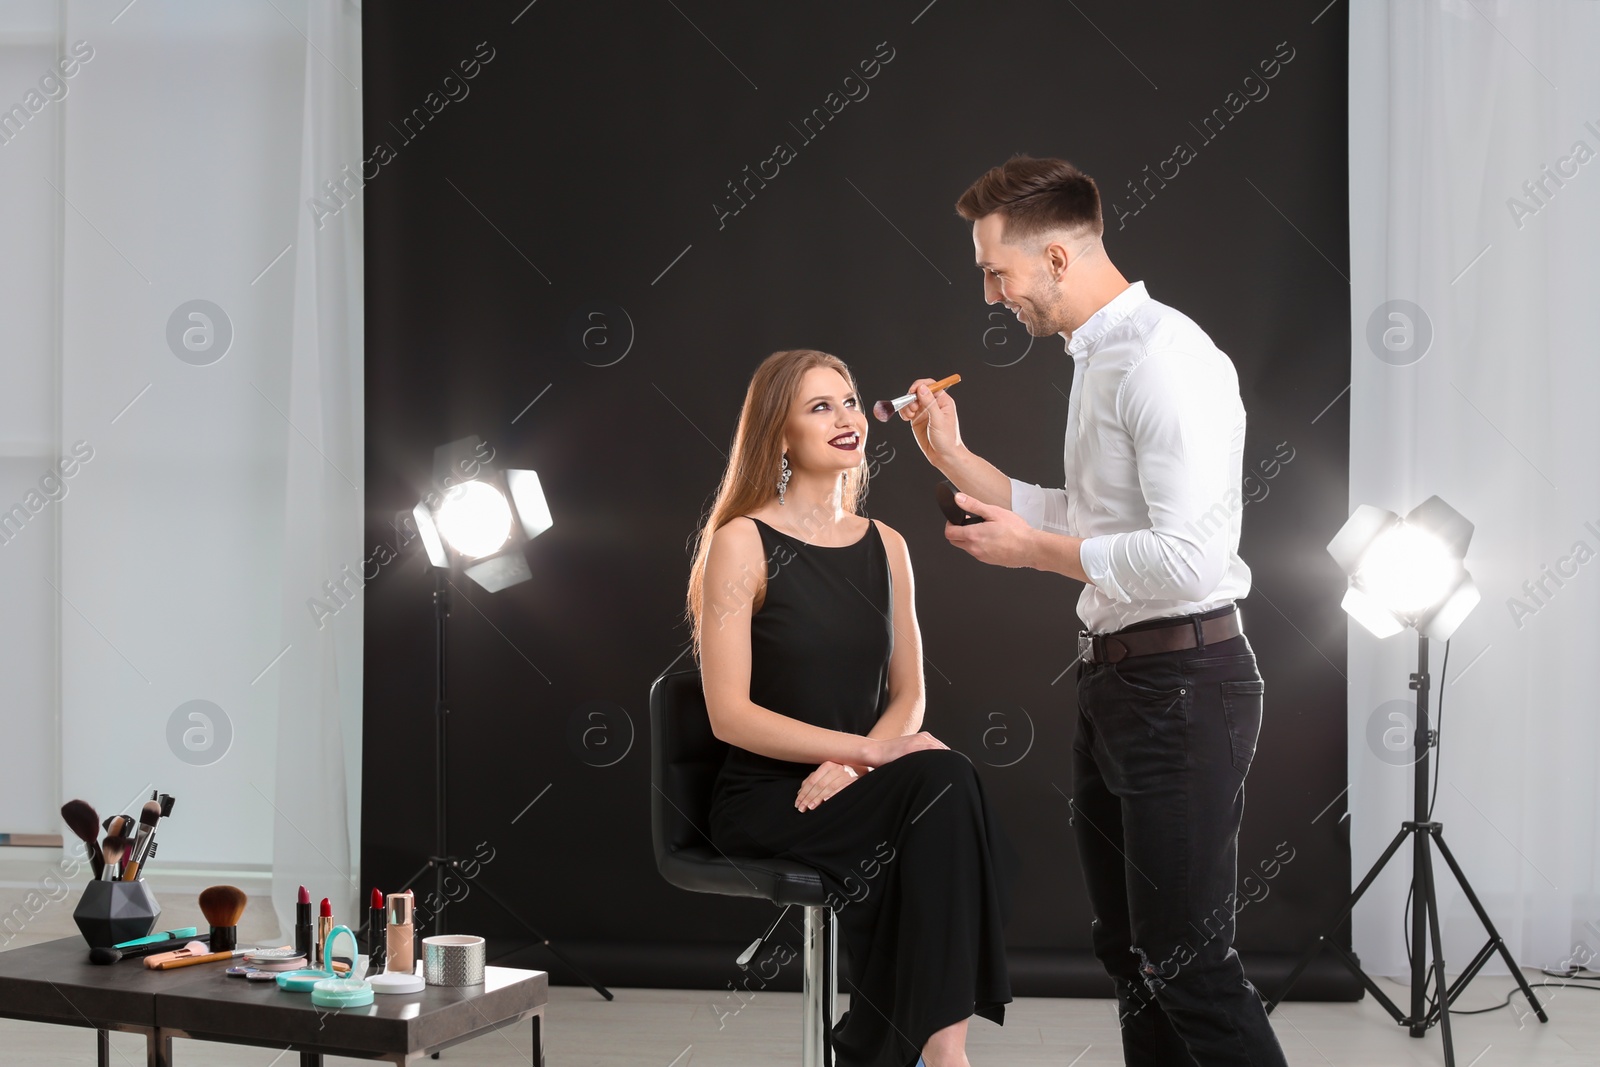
(685, 757)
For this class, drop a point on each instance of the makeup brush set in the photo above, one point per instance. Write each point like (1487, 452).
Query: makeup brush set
(117, 906)
(129, 843)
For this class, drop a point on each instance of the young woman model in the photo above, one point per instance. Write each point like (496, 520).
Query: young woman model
(806, 631)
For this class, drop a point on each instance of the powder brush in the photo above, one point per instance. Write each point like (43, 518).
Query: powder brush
(83, 821)
(111, 853)
(222, 905)
(887, 409)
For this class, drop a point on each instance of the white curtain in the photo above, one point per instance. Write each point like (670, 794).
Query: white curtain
(225, 488)
(1475, 262)
(316, 837)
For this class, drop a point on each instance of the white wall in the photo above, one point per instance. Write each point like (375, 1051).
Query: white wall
(220, 490)
(176, 173)
(29, 438)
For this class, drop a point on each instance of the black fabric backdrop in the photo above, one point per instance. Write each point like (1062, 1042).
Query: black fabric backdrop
(566, 255)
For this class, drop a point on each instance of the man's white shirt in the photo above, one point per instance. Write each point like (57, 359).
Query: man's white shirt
(1154, 460)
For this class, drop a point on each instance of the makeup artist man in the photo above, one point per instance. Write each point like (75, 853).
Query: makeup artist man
(1169, 698)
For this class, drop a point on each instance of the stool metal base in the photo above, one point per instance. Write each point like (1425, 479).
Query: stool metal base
(819, 987)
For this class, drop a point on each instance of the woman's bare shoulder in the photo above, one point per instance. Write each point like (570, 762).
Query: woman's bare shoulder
(890, 535)
(738, 536)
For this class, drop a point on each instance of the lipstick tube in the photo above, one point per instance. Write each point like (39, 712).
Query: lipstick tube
(324, 928)
(377, 933)
(401, 949)
(302, 925)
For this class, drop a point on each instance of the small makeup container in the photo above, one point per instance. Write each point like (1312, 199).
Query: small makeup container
(350, 992)
(453, 959)
(341, 993)
(395, 982)
(307, 979)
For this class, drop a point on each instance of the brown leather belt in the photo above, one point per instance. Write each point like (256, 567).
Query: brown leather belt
(1190, 631)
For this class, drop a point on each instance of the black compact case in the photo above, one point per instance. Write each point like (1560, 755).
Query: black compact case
(953, 511)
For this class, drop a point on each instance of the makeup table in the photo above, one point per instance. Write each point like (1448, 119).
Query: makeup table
(54, 982)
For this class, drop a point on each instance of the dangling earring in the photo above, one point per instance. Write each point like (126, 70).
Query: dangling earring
(783, 479)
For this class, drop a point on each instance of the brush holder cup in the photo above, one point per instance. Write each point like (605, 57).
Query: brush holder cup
(110, 913)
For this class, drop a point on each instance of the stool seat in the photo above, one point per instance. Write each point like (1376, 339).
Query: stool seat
(701, 869)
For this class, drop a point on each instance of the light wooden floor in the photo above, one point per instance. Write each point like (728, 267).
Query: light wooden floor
(676, 1028)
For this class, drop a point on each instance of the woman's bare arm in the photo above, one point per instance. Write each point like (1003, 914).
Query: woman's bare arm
(907, 691)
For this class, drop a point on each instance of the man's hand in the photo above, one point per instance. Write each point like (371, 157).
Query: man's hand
(823, 783)
(933, 422)
(1003, 538)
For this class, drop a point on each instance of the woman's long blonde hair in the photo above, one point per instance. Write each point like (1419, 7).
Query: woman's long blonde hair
(754, 463)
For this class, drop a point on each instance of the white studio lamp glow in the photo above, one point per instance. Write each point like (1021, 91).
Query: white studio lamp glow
(1407, 572)
(483, 516)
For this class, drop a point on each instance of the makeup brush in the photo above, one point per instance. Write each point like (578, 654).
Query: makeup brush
(209, 957)
(103, 955)
(149, 815)
(156, 948)
(189, 951)
(184, 933)
(222, 905)
(119, 826)
(83, 821)
(111, 854)
(887, 409)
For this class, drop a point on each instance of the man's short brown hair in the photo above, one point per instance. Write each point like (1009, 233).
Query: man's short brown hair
(1034, 196)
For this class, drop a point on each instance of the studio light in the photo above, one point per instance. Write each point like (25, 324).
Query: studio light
(1411, 573)
(478, 518)
(1407, 572)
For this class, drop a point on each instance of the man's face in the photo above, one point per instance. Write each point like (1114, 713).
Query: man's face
(1020, 277)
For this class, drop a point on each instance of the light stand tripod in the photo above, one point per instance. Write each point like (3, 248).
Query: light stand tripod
(442, 861)
(1424, 834)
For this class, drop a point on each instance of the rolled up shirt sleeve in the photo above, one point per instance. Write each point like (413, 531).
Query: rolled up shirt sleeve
(1187, 429)
(1043, 509)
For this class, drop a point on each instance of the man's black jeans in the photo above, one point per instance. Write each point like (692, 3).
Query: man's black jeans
(1164, 743)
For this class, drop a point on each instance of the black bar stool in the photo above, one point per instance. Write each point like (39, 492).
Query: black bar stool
(684, 759)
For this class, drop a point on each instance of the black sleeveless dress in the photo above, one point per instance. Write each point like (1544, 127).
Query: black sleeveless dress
(918, 871)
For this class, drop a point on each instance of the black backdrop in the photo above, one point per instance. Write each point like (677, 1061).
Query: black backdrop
(554, 262)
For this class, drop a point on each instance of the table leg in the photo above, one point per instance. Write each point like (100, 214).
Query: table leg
(102, 1045)
(538, 1040)
(158, 1049)
(310, 1059)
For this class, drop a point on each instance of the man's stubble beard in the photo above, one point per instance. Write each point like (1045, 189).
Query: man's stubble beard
(1046, 320)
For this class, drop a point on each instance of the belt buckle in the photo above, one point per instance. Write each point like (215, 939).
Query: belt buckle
(1086, 646)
